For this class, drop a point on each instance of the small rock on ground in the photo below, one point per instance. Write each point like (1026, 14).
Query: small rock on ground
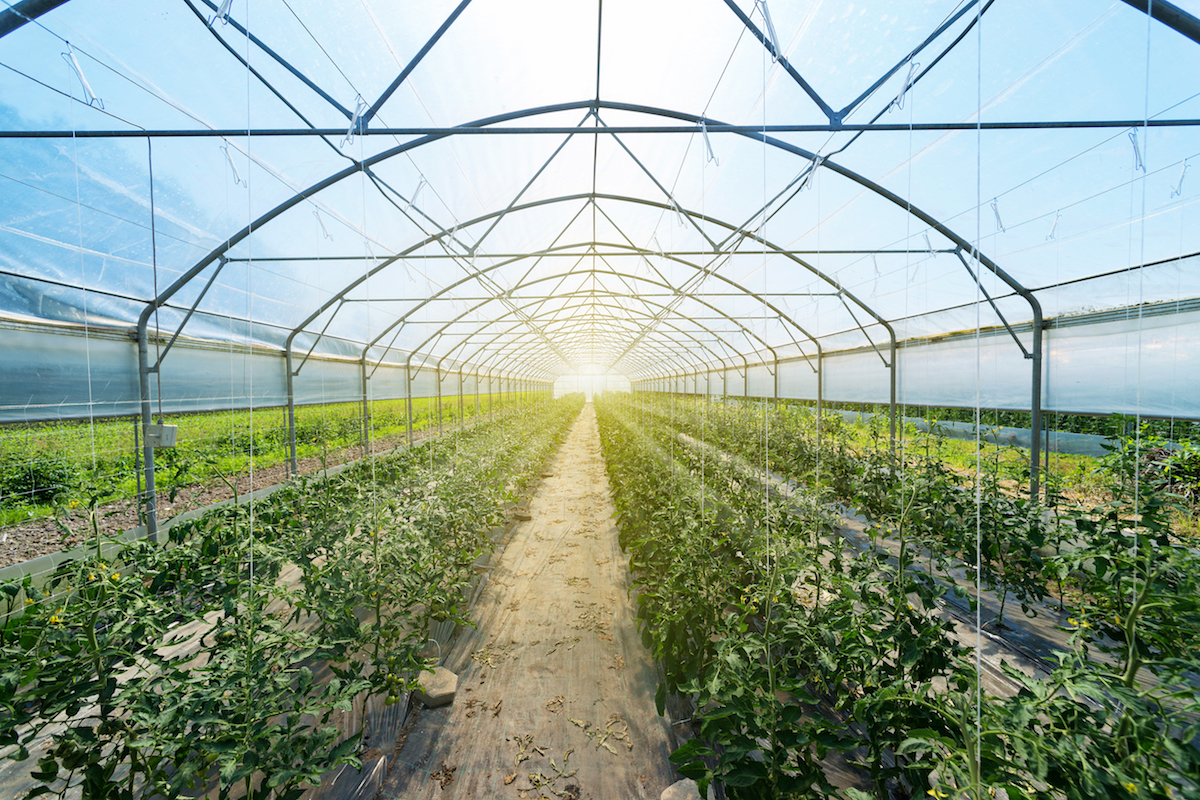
(437, 688)
(685, 789)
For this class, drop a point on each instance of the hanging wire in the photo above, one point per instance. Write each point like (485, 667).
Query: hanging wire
(978, 749)
(1141, 297)
(83, 282)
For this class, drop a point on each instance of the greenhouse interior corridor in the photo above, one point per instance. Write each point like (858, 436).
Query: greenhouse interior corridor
(539, 400)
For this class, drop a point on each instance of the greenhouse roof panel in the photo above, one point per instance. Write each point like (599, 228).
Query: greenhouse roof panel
(463, 176)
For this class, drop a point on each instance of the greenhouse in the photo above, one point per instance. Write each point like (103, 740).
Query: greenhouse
(599, 399)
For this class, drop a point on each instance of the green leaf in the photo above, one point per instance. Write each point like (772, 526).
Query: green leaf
(746, 773)
(692, 750)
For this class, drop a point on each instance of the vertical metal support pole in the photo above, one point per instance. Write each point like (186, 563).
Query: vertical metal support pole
(151, 502)
(137, 458)
(366, 410)
(408, 411)
(460, 399)
(293, 465)
(438, 373)
(820, 380)
(892, 401)
(775, 403)
(478, 399)
(1035, 422)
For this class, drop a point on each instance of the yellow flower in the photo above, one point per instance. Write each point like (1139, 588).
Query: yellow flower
(28, 602)
(91, 576)
(937, 794)
(1129, 787)
(116, 576)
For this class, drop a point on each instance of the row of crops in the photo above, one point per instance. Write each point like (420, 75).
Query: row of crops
(48, 468)
(801, 654)
(221, 661)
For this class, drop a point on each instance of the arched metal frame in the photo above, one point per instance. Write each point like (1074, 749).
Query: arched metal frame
(594, 106)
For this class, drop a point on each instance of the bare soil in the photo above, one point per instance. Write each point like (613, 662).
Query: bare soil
(556, 692)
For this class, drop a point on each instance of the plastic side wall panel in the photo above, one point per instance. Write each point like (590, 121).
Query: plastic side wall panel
(204, 380)
(385, 384)
(1151, 367)
(50, 376)
(735, 383)
(425, 383)
(855, 378)
(798, 380)
(565, 385)
(993, 373)
(716, 383)
(762, 383)
(327, 382)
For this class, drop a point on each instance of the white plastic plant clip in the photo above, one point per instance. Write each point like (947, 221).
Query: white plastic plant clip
(657, 246)
(1053, 226)
(996, 211)
(73, 63)
(360, 108)
(708, 144)
(416, 192)
(1178, 190)
(776, 53)
(222, 14)
(898, 100)
(321, 222)
(1137, 152)
(810, 177)
(679, 215)
(237, 176)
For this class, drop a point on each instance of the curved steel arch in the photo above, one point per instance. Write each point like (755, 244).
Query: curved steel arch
(361, 166)
(474, 276)
(606, 305)
(745, 331)
(641, 279)
(711, 352)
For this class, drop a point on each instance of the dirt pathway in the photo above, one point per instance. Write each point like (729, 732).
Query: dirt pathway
(556, 691)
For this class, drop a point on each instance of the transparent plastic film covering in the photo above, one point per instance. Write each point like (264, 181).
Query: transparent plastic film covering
(553, 189)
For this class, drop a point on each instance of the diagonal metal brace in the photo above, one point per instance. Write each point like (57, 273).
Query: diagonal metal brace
(320, 335)
(221, 262)
(991, 302)
(874, 346)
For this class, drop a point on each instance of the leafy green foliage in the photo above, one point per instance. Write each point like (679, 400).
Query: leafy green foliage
(194, 666)
(793, 646)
